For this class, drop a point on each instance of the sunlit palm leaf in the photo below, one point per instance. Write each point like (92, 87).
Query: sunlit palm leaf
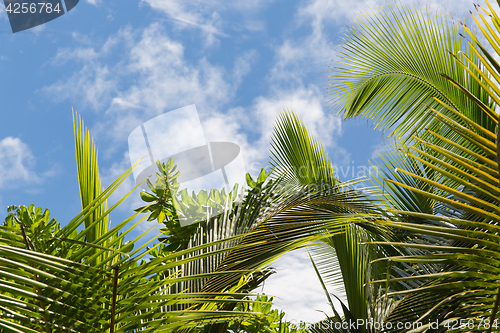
(466, 285)
(417, 77)
(342, 260)
(390, 69)
(88, 178)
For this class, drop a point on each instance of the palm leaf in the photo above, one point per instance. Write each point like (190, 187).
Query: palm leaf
(466, 177)
(391, 66)
(300, 160)
(88, 178)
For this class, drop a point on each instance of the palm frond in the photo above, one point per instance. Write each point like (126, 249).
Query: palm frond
(464, 186)
(88, 180)
(391, 68)
(300, 159)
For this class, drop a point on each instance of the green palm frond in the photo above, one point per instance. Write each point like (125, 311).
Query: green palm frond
(391, 68)
(58, 279)
(277, 217)
(395, 197)
(88, 181)
(147, 296)
(418, 78)
(44, 292)
(465, 216)
(297, 157)
(275, 224)
(342, 260)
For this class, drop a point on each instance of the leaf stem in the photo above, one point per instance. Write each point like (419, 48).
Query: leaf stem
(113, 301)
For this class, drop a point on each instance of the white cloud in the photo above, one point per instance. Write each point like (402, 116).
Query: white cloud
(191, 14)
(165, 75)
(149, 74)
(298, 290)
(16, 163)
(3, 13)
(92, 51)
(300, 55)
(249, 127)
(381, 148)
(160, 80)
(243, 66)
(317, 12)
(252, 127)
(94, 2)
(321, 12)
(158, 76)
(327, 20)
(83, 54)
(297, 57)
(307, 103)
(93, 82)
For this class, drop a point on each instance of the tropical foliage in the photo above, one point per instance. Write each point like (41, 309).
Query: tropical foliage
(436, 91)
(416, 246)
(84, 277)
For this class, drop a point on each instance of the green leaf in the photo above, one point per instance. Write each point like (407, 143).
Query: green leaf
(250, 181)
(147, 197)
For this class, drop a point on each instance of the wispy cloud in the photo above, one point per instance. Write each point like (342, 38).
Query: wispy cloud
(209, 17)
(380, 149)
(3, 13)
(192, 14)
(94, 2)
(137, 74)
(16, 164)
(251, 127)
(318, 25)
(149, 75)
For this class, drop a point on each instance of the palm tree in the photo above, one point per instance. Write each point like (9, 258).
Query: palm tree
(279, 214)
(437, 93)
(88, 279)
(343, 259)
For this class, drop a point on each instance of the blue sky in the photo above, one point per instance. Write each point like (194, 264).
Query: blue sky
(121, 63)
